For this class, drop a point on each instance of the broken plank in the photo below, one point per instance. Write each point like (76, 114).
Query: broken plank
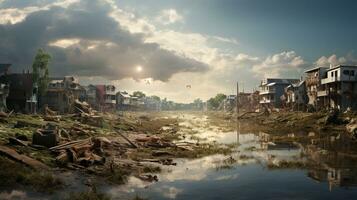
(11, 153)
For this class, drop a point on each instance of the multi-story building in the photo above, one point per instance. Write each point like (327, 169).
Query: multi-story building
(106, 97)
(62, 92)
(314, 87)
(339, 87)
(272, 89)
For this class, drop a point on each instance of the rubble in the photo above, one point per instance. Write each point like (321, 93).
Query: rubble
(82, 152)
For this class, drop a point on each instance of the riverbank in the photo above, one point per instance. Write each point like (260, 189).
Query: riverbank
(111, 148)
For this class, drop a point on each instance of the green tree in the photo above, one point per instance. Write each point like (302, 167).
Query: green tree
(214, 102)
(156, 98)
(40, 70)
(139, 94)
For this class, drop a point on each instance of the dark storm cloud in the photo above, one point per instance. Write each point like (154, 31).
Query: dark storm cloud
(104, 47)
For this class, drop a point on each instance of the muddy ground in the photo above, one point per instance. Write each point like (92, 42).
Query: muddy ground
(131, 144)
(137, 144)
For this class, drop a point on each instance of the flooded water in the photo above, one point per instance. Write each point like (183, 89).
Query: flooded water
(250, 172)
(246, 173)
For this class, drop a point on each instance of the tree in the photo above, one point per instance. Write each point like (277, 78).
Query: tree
(156, 98)
(139, 94)
(214, 102)
(40, 70)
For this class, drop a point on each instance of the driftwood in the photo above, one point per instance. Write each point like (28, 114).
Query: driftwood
(125, 138)
(11, 153)
(16, 141)
(71, 144)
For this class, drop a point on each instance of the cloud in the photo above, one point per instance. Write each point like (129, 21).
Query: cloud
(349, 59)
(85, 40)
(169, 16)
(13, 15)
(277, 64)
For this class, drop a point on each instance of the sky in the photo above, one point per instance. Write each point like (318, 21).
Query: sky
(162, 46)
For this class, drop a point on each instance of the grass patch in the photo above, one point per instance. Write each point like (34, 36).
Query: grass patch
(13, 173)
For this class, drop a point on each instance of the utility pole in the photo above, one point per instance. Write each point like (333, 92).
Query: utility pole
(237, 99)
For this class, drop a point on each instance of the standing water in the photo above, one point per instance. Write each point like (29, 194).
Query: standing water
(257, 169)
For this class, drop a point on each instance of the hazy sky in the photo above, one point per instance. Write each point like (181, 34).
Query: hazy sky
(161, 46)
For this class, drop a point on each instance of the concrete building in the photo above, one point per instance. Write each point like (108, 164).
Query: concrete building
(313, 86)
(271, 89)
(339, 88)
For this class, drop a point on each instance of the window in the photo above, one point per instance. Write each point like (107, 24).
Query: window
(331, 74)
(352, 73)
(346, 72)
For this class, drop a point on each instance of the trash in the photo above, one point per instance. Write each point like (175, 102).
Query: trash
(148, 177)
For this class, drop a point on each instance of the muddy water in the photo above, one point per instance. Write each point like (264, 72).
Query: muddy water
(246, 174)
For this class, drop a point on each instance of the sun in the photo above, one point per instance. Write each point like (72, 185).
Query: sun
(139, 68)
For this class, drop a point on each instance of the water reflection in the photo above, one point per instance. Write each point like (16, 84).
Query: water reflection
(213, 177)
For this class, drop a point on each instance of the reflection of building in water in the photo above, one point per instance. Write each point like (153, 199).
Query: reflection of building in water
(334, 167)
(342, 177)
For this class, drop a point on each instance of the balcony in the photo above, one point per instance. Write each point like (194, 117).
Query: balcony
(109, 101)
(110, 92)
(271, 91)
(322, 93)
(266, 101)
(330, 80)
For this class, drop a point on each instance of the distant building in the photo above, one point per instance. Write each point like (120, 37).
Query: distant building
(229, 103)
(21, 97)
(339, 88)
(271, 89)
(91, 95)
(296, 97)
(61, 94)
(152, 104)
(106, 97)
(314, 87)
(122, 101)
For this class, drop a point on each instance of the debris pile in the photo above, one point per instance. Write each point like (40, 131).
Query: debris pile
(80, 152)
(87, 115)
(154, 141)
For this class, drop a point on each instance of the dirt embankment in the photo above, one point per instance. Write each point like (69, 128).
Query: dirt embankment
(107, 147)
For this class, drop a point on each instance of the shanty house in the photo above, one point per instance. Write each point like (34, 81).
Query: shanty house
(314, 88)
(61, 94)
(271, 89)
